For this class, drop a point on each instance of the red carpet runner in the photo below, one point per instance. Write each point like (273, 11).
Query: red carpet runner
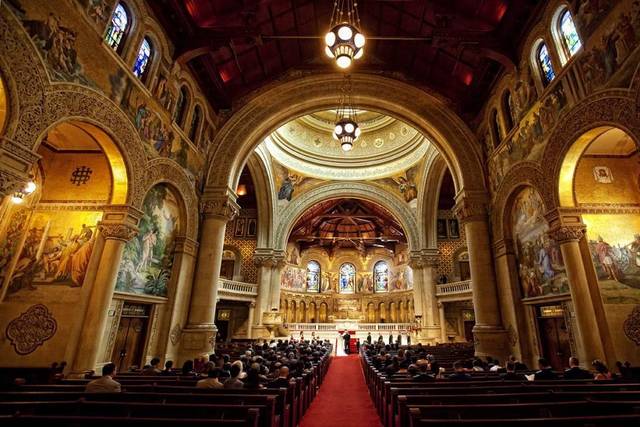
(343, 400)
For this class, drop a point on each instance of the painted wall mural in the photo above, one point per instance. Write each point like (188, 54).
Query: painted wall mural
(614, 241)
(294, 278)
(148, 257)
(540, 264)
(56, 250)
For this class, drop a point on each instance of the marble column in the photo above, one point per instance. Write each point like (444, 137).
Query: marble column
(443, 322)
(184, 262)
(118, 226)
(263, 258)
(514, 313)
(595, 342)
(218, 207)
(488, 333)
(423, 264)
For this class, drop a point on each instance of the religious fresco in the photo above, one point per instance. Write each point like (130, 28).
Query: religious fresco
(540, 266)
(404, 184)
(290, 184)
(294, 278)
(614, 241)
(401, 279)
(148, 258)
(63, 39)
(11, 242)
(56, 250)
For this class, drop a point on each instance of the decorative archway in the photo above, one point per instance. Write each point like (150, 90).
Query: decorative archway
(274, 105)
(357, 190)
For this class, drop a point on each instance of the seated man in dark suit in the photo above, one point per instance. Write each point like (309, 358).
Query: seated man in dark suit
(545, 372)
(511, 374)
(283, 379)
(575, 372)
(423, 371)
(459, 373)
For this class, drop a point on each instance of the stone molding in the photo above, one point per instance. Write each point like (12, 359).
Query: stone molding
(219, 203)
(567, 233)
(124, 232)
(263, 257)
(470, 207)
(424, 258)
(503, 247)
(187, 246)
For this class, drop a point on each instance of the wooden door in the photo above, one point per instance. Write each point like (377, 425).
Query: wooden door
(465, 272)
(468, 330)
(129, 345)
(226, 269)
(554, 338)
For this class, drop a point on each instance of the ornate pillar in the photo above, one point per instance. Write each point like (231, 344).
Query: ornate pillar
(514, 313)
(118, 226)
(595, 341)
(488, 333)
(263, 258)
(218, 207)
(443, 322)
(277, 263)
(423, 264)
(180, 292)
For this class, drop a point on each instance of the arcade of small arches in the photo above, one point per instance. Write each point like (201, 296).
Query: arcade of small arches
(257, 225)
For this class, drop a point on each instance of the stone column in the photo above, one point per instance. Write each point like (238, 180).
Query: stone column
(278, 263)
(118, 226)
(514, 313)
(218, 207)
(595, 342)
(488, 333)
(180, 294)
(443, 322)
(423, 264)
(263, 258)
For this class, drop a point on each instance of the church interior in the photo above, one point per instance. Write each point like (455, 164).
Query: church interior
(320, 208)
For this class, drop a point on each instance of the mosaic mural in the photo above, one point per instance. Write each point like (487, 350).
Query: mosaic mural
(148, 257)
(540, 264)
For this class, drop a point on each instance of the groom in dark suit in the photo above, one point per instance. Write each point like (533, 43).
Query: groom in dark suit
(347, 340)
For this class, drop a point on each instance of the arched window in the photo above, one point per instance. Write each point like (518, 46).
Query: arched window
(117, 28)
(347, 278)
(181, 106)
(509, 114)
(381, 277)
(195, 124)
(544, 62)
(140, 67)
(569, 37)
(313, 276)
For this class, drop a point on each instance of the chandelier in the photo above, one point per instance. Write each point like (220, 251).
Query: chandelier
(346, 130)
(344, 41)
(18, 196)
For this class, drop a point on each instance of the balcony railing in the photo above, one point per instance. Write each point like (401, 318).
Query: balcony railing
(453, 288)
(358, 326)
(238, 288)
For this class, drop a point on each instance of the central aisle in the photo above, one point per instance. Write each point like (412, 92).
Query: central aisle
(343, 399)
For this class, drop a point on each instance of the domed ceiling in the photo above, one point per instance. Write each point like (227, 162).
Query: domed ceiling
(386, 147)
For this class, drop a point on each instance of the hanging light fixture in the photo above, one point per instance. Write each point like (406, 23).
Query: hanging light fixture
(346, 130)
(344, 41)
(18, 197)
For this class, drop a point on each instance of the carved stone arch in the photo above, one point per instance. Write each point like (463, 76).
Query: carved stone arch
(281, 102)
(73, 102)
(165, 171)
(523, 174)
(397, 207)
(614, 108)
(23, 72)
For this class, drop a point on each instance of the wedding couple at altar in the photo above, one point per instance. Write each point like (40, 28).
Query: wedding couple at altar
(342, 344)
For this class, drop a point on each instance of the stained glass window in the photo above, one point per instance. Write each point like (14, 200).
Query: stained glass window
(569, 34)
(347, 278)
(142, 60)
(381, 277)
(544, 60)
(195, 123)
(117, 28)
(313, 276)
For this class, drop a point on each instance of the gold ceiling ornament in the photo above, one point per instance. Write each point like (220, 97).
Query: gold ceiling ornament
(344, 42)
(346, 130)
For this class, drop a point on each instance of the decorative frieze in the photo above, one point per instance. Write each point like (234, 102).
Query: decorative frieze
(224, 208)
(468, 209)
(567, 233)
(111, 231)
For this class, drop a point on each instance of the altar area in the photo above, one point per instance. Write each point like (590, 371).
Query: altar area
(357, 330)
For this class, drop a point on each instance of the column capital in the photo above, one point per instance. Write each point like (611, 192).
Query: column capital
(424, 258)
(267, 257)
(219, 203)
(503, 247)
(187, 246)
(565, 225)
(470, 206)
(119, 222)
(15, 163)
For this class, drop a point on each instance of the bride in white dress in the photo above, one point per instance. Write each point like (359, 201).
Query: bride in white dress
(340, 345)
